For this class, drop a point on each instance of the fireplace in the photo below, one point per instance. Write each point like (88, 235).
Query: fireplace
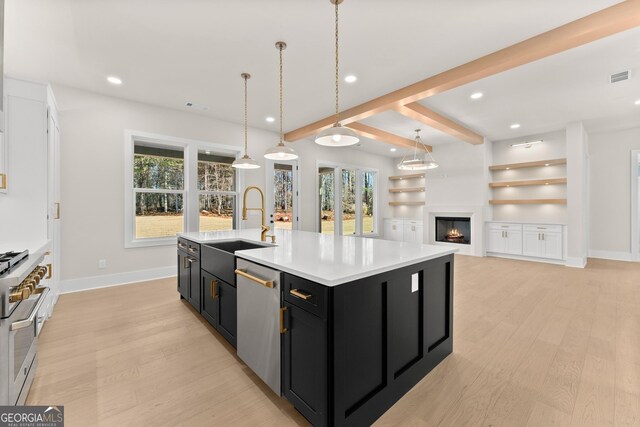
(453, 230)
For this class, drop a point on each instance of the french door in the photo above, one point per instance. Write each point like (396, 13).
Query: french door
(282, 194)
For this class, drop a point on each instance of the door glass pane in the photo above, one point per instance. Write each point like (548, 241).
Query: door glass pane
(326, 179)
(216, 212)
(348, 202)
(283, 196)
(159, 215)
(368, 221)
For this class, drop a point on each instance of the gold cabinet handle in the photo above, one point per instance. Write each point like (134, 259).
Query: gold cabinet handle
(193, 250)
(3, 181)
(57, 205)
(185, 262)
(265, 283)
(213, 289)
(282, 328)
(297, 293)
(50, 271)
(182, 246)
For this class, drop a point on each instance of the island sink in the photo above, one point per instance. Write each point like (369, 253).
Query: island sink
(232, 246)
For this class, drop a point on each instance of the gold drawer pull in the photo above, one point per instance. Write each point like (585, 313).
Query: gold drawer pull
(193, 250)
(301, 295)
(282, 328)
(182, 246)
(266, 283)
(57, 205)
(214, 286)
(3, 181)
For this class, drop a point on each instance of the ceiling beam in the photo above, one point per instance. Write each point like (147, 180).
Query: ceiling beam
(422, 114)
(380, 135)
(612, 20)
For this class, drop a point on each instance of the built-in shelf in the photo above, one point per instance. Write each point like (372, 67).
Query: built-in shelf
(550, 181)
(406, 203)
(410, 176)
(537, 164)
(407, 190)
(529, 202)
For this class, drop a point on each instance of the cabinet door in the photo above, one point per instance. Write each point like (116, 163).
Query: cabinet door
(552, 245)
(410, 233)
(419, 234)
(194, 283)
(531, 245)
(305, 364)
(496, 241)
(184, 275)
(513, 241)
(210, 290)
(227, 312)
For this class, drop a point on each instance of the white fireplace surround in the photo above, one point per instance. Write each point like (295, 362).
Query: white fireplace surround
(474, 213)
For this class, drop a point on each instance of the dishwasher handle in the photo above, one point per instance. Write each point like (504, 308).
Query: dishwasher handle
(265, 283)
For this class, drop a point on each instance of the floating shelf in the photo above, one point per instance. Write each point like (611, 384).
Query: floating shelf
(529, 202)
(406, 203)
(410, 176)
(551, 181)
(541, 163)
(407, 190)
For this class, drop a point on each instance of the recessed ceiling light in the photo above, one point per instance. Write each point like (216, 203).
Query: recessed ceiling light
(507, 168)
(477, 95)
(515, 126)
(350, 78)
(546, 164)
(270, 119)
(637, 102)
(393, 149)
(114, 80)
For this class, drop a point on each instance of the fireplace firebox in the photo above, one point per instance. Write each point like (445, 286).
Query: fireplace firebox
(453, 230)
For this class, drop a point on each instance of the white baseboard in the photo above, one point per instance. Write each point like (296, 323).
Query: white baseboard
(95, 282)
(526, 258)
(576, 262)
(613, 255)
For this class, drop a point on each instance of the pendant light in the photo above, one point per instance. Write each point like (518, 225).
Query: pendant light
(418, 162)
(336, 135)
(281, 151)
(245, 162)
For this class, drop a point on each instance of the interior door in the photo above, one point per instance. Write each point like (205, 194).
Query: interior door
(53, 204)
(282, 194)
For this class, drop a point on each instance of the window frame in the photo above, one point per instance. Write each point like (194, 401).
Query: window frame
(337, 194)
(190, 192)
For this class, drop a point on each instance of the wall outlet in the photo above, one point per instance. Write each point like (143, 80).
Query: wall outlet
(102, 263)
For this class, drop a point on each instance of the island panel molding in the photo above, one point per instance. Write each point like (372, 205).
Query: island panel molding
(612, 20)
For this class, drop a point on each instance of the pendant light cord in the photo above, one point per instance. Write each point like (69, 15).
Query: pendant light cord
(337, 70)
(280, 48)
(245, 77)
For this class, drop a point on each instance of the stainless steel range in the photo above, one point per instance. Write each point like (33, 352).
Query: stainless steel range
(20, 300)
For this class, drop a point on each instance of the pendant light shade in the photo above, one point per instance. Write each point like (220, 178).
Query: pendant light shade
(418, 162)
(336, 135)
(245, 162)
(281, 151)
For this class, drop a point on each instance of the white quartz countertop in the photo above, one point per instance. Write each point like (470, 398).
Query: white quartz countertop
(327, 259)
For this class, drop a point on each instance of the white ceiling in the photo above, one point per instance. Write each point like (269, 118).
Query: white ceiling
(169, 52)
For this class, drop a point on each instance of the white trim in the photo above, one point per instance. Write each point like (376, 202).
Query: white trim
(612, 255)
(108, 280)
(635, 227)
(576, 262)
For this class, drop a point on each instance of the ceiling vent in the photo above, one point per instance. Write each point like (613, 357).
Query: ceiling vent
(194, 106)
(620, 77)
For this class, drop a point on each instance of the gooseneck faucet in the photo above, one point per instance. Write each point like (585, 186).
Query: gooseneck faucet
(264, 228)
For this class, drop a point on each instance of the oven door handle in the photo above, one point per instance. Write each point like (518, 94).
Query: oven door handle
(20, 324)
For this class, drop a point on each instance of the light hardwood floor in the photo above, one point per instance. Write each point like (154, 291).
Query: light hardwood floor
(534, 345)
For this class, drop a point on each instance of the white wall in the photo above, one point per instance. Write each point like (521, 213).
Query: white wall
(610, 181)
(553, 147)
(92, 179)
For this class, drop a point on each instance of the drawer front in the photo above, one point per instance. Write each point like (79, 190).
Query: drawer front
(183, 244)
(413, 223)
(306, 294)
(504, 226)
(194, 249)
(543, 228)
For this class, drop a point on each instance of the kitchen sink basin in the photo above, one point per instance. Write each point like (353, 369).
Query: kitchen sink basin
(232, 246)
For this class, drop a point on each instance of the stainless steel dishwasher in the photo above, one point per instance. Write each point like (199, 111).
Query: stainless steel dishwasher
(259, 320)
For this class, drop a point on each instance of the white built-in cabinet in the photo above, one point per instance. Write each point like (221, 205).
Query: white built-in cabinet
(30, 159)
(403, 230)
(530, 241)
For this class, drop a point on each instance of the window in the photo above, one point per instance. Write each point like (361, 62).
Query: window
(158, 183)
(217, 187)
(174, 185)
(354, 197)
(283, 195)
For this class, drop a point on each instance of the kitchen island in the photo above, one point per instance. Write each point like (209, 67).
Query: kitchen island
(341, 326)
